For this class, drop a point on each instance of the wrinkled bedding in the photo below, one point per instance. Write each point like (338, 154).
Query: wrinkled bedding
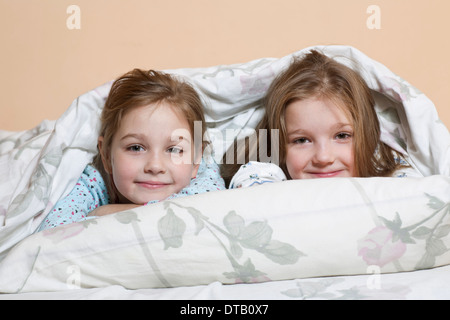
(307, 239)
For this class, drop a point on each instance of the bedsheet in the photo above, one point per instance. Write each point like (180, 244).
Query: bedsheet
(428, 284)
(272, 233)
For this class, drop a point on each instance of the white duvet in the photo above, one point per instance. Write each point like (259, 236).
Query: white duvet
(272, 241)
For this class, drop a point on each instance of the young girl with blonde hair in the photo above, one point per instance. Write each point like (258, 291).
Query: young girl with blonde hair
(323, 113)
(147, 151)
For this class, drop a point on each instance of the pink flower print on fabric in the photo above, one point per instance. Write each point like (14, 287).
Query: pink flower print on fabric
(257, 84)
(377, 248)
(64, 232)
(399, 89)
(2, 211)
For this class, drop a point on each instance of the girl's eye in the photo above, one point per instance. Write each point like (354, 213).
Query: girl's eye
(301, 140)
(176, 150)
(343, 136)
(135, 148)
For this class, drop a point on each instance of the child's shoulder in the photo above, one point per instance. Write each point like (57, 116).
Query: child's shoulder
(90, 170)
(91, 174)
(93, 181)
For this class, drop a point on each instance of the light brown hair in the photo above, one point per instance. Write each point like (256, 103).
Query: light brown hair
(317, 76)
(139, 88)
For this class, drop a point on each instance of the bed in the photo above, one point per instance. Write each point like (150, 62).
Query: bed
(347, 238)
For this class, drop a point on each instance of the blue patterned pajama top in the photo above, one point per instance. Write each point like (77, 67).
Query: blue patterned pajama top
(90, 192)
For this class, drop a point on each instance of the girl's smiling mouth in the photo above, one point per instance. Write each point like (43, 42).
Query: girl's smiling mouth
(152, 184)
(326, 174)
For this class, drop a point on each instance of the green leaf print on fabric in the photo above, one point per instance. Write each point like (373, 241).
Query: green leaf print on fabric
(171, 229)
(239, 236)
(258, 236)
(390, 114)
(130, 217)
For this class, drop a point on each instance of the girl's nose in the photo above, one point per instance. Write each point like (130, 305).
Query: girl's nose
(155, 164)
(323, 155)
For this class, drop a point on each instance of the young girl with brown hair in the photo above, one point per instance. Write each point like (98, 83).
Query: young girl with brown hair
(323, 113)
(147, 150)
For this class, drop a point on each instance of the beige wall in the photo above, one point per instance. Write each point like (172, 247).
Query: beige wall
(45, 65)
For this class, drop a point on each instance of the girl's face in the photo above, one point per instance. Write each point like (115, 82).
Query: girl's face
(151, 155)
(319, 140)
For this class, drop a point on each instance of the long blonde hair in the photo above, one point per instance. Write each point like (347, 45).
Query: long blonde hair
(317, 76)
(140, 88)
